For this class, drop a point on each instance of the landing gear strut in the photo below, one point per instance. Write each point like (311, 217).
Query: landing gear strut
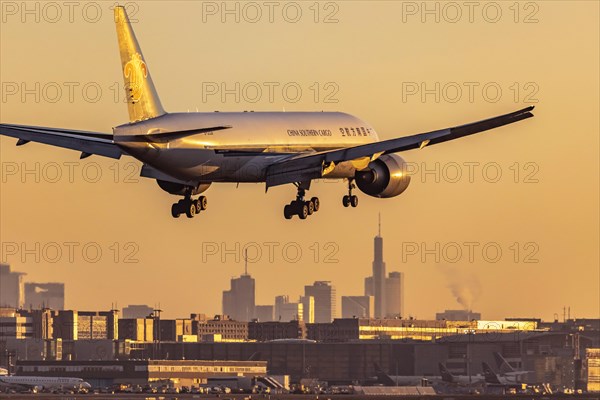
(300, 207)
(188, 206)
(350, 199)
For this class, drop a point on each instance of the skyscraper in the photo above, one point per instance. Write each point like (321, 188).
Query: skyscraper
(379, 276)
(325, 303)
(286, 311)
(239, 301)
(11, 287)
(394, 295)
(308, 308)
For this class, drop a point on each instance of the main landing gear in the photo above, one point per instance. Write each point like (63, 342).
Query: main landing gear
(188, 206)
(350, 199)
(300, 207)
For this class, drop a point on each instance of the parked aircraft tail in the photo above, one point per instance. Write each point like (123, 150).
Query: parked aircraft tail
(445, 374)
(383, 377)
(490, 375)
(142, 99)
(503, 365)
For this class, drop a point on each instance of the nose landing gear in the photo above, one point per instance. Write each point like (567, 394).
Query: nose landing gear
(350, 199)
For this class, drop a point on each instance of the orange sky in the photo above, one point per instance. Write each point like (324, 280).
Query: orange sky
(544, 206)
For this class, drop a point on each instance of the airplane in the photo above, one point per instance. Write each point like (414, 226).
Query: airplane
(494, 379)
(505, 369)
(402, 380)
(449, 377)
(42, 382)
(187, 152)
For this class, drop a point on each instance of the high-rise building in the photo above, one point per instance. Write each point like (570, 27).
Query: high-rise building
(379, 276)
(369, 291)
(239, 301)
(308, 308)
(134, 311)
(286, 311)
(12, 291)
(357, 306)
(394, 295)
(45, 295)
(264, 313)
(325, 301)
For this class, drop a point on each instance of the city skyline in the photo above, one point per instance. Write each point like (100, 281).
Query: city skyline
(524, 190)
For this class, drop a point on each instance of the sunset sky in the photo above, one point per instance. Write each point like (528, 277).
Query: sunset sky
(372, 59)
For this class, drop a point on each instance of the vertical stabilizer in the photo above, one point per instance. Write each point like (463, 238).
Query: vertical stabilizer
(142, 99)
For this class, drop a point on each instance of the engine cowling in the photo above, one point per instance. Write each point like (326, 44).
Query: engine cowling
(384, 177)
(179, 189)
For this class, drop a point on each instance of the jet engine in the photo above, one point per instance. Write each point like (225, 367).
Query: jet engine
(385, 177)
(179, 188)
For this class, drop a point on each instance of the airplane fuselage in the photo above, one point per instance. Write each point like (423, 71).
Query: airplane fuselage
(251, 142)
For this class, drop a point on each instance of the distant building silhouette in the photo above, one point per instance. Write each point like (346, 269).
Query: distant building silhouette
(394, 295)
(308, 308)
(264, 313)
(45, 295)
(286, 311)
(458, 315)
(357, 306)
(134, 311)
(12, 291)
(239, 301)
(388, 292)
(325, 301)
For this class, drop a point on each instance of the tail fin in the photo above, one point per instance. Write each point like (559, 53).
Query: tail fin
(490, 376)
(142, 99)
(502, 364)
(382, 377)
(445, 374)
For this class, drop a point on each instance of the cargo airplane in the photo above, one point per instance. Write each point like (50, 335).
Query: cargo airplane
(187, 152)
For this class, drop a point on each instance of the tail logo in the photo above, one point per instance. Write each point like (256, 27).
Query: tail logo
(135, 71)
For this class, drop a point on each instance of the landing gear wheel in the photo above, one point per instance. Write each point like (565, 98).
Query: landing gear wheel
(316, 203)
(346, 200)
(354, 200)
(311, 207)
(203, 201)
(303, 211)
(288, 213)
(190, 209)
(175, 210)
(197, 205)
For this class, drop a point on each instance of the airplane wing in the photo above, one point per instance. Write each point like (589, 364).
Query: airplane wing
(312, 165)
(87, 143)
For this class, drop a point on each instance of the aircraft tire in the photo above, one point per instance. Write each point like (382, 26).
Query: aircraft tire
(303, 211)
(316, 203)
(288, 212)
(311, 207)
(346, 200)
(203, 202)
(175, 213)
(190, 209)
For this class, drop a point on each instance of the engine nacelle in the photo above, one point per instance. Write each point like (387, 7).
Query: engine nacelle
(384, 177)
(179, 188)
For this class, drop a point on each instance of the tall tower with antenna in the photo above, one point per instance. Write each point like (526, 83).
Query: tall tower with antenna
(379, 274)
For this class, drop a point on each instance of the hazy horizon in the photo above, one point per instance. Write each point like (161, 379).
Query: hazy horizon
(530, 189)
